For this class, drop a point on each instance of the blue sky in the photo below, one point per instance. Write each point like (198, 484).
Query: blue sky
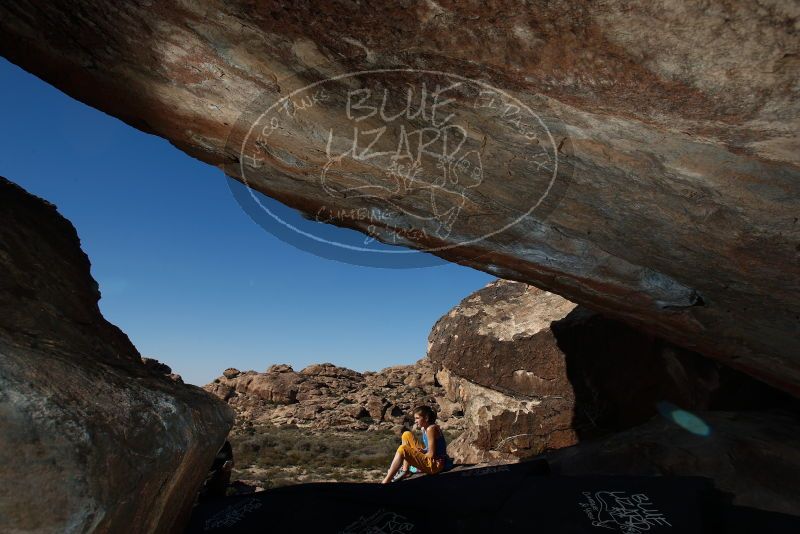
(186, 273)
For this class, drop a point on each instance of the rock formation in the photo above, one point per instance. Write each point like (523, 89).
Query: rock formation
(93, 439)
(324, 396)
(161, 369)
(534, 372)
(640, 158)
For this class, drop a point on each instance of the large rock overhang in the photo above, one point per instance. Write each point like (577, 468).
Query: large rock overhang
(674, 125)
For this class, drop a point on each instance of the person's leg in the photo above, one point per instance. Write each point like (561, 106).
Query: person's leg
(405, 439)
(397, 461)
(408, 438)
(422, 462)
(408, 453)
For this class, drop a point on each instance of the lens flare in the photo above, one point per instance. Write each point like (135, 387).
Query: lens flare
(686, 420)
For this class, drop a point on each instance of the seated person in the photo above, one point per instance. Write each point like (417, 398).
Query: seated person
(430, 456)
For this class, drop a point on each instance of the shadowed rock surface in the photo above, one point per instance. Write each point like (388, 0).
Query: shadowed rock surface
(751, 454)
(674, 125)
(94, 439)
(506, 498)
(533, 371)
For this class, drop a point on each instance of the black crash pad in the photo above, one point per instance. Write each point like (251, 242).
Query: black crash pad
(509, 498)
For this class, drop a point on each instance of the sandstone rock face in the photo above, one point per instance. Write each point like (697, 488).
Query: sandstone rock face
(325, 396)
(751, 454)
(93, 439)
(673, 125)
(231, 373)
(534, 372)
(501, 428)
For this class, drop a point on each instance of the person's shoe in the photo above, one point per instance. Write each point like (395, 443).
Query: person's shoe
(400, 475)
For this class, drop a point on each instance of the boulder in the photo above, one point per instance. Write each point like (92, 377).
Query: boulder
(280, 368)
(94, 438)
(501, 428)
(376, 407)
(160, 368)
(222, 391)
(356, 412)
(535, 372)
(638, 158)
(156, 366)
(231, 373)
(175, 378)
(280, 387)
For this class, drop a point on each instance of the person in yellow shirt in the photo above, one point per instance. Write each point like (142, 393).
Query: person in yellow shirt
(429, 457)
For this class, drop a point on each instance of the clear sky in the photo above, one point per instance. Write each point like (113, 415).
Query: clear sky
(186, 273)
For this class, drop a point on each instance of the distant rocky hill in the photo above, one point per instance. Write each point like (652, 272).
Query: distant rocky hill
(324, 396)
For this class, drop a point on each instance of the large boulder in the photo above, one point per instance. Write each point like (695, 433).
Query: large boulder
(280, 388)
(640, 158)
(94, 439)
(502, 428)
(534, 372)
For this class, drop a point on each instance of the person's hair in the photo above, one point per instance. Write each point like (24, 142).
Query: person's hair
(427, 412)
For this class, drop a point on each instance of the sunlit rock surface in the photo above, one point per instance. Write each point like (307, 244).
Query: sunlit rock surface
(92, 439)
(674, 125)
(327, 397)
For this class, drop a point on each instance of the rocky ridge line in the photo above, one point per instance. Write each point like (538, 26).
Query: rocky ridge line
(324, 396)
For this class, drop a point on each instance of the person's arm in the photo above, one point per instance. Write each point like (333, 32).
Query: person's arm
(431, 433)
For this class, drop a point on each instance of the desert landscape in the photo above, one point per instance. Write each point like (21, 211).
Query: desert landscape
(626, 172)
